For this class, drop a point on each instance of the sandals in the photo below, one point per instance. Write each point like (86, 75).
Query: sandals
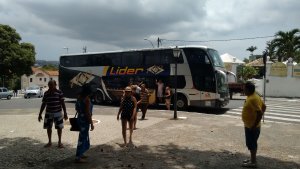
(48, 145)
(249, 164)
(84, 156)
(60, 146)
(80, 160)
(246, 161)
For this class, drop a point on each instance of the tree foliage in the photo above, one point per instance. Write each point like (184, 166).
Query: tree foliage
(251, 49)
(246, 60)
(286, 44)
(49, 67)
(246, 72)
(15, 58)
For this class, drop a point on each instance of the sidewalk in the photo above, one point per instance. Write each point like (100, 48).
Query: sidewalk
(200, 141)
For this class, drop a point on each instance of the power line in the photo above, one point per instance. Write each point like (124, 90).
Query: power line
(220, 40)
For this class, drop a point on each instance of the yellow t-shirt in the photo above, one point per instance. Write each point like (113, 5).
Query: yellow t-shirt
(252, 104)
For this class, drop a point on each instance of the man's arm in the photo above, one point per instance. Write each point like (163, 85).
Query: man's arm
(258, 118)
(264, 107)
(259, 113)
(41, 111)
(88, 112)
(63, 105)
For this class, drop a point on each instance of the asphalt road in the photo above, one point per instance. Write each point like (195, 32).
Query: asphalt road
(35, 103)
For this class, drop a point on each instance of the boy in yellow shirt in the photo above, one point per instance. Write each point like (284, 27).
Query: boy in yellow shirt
(251, 115)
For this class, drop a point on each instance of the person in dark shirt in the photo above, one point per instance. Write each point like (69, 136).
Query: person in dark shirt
(84, 108)
(53, 101)
(127, 111)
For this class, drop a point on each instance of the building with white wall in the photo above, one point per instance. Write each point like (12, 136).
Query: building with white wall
(282, 80)
(231, 64)
(39, 78)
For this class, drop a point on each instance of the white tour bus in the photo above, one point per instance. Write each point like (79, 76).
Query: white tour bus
(201, 76)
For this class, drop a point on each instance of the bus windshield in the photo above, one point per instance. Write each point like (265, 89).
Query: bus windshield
(216, 59)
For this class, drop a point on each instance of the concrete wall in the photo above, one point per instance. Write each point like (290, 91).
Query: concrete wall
(288, 86)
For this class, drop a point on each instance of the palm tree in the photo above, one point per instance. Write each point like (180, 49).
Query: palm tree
(286, 44)
(271, 50)
(251, 49)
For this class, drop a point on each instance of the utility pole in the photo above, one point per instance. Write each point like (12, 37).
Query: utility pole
(265, 54)
(158, 42)
(84, 49)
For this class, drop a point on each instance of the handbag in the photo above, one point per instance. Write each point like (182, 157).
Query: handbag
(74, 121)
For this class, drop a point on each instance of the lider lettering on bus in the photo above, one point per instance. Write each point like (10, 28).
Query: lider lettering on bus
(125, 71)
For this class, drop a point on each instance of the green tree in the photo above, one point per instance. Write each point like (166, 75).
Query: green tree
(251, 49)
(49, 67)
(16, 58)
(286, 44)
(246, 60)
(271, 50)
(297, 56)
(246, 72)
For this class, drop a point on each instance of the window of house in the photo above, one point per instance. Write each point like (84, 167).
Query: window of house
(30, 79)
(45, 79)
(41, 79)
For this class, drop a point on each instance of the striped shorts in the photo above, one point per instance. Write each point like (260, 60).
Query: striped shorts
(56, 117)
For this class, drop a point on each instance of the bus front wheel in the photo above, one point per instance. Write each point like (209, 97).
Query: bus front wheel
(98, 98)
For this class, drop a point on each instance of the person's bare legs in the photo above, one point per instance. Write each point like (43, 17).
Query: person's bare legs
(59, 133)
(124, 126)
(253, 156)
(49, 133)
(134, 121)
(168, 104)
(131, 123)
(144, 111)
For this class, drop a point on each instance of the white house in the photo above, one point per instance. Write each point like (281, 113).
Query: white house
(39, 78)
(231, 63)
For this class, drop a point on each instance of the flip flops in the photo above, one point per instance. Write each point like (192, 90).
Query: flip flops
(80, 160)
(48, 145)
(60, 146)
(249, 164)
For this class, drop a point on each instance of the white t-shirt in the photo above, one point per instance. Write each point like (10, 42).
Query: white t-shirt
(160, 88)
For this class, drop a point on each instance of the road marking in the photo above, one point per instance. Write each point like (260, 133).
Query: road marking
(287, 112)
(270, 117)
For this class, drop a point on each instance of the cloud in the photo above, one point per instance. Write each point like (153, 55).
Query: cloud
(123, 24)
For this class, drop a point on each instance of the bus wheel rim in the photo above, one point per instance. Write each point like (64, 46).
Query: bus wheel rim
(180, 103)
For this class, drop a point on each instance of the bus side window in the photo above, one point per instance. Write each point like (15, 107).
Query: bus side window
(132, 59)
(115, 58)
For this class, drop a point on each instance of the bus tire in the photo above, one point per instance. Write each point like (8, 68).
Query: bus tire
(98, 98)
(181, 102)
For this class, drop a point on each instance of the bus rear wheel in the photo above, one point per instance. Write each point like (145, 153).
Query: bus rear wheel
(181, 103)
(98, 98)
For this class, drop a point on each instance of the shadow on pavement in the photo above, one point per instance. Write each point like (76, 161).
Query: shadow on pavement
(29, 153)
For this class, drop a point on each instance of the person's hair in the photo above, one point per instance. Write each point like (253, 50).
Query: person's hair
(133, 87)
(51, 82)
(85, 90)
(250, 87)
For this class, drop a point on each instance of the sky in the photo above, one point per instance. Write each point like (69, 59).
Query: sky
(56, 27)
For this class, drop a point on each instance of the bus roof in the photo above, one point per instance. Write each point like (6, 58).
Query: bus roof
(142, 49)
